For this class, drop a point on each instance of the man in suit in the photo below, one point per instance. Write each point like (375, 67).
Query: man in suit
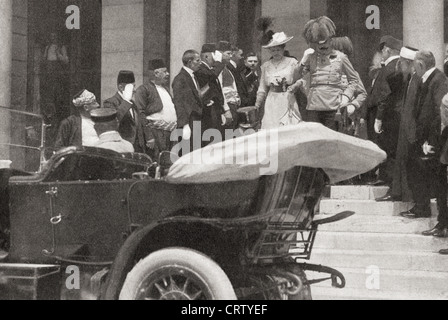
(236, 69)
(188, 100)
(106, 127)
(232, 99)
(131, 128)
(156, 106)
(252, 73)
(213, 98)
(383, 105)
(78, 130)
(426, 173)
(400, 190)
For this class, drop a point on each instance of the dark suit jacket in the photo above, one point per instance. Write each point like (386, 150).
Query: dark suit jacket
(211, 115)
(186, 99)
(386, 94)
(70, 133)
(241, 85)
(131, 128)
(148, 102)
(427, 112)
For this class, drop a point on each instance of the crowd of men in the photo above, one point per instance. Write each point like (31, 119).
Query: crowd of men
(209, 89)
(404, 110)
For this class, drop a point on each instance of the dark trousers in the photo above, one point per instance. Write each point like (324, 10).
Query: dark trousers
(327, 118)
(428, 179)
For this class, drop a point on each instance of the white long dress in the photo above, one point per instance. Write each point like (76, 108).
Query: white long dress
(280, 108)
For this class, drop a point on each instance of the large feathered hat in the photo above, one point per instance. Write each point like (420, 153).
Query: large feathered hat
(319, 30)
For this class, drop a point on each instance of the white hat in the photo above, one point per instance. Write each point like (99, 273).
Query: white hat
(278, 39)
(408, 53)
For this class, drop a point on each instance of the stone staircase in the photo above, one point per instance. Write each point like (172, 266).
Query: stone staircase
(382, 255)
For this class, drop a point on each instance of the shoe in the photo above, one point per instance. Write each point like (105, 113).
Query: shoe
(416, 214)
(441, 233)
(444, 251)
(432, 232)
(388, 197)
(377, 183)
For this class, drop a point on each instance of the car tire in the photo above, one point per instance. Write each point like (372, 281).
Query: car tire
(177, 274)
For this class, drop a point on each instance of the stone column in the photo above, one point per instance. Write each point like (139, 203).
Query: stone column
(423, 27)
(188, 29)
(5, 73)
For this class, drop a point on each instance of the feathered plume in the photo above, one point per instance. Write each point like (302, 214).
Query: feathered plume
(263, 24)
(319, 29)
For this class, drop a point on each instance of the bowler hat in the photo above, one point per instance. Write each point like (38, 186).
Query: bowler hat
(126, 77)
(224, 46)
(208, 47)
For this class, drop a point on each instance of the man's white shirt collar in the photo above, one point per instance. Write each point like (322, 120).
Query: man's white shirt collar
(190, 72)
(428, 74)
(233, 64)
(390, 60)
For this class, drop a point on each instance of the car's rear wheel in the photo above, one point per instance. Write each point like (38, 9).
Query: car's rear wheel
(177, 274)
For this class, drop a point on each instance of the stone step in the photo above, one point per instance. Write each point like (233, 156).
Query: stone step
(379, 224)
(392, 281)
(378, 242)
(357, 192)
(386, 260)
(364, 207)
(320, 293)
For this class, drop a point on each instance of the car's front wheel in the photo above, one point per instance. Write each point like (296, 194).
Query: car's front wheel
(177, 274)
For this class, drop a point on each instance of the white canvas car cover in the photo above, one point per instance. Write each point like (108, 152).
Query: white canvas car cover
(274, 151)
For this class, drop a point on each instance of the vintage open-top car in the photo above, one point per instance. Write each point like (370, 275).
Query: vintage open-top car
(207, 231)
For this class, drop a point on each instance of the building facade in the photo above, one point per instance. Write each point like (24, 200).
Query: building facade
(115, 35)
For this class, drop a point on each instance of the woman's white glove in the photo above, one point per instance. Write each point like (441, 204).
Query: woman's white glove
(296, 86)
(186, 135)
(307, 55)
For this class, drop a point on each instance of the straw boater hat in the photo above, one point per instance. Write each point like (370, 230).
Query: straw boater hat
(278, 39)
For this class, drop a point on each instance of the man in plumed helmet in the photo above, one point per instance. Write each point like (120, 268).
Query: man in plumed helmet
(131, 128)
(78, 130)
(326, 67)
(156, 106)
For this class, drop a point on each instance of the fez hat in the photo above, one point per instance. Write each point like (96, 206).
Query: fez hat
(390, 42)
(224, 46)
(208, 47)
(103, 115)
(126, 77)
(408, 53)
(156, 64)
(278, 39)
(83, 98)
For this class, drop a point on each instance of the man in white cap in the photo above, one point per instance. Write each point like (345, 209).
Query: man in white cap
(106, 126)
(400, 190)
(78, 130)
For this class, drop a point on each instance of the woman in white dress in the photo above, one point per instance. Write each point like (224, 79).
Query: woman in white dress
(277, 74)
